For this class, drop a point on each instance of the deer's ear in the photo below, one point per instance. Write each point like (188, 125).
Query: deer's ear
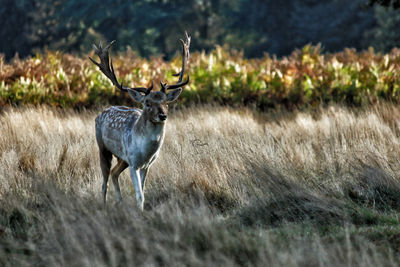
(138, 97)
(173, 94)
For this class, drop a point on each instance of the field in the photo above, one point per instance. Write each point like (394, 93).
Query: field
(231, 187)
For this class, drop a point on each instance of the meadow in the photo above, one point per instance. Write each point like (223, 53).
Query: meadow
(232, 187)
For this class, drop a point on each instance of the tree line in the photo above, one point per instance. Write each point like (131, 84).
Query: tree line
(151, 27)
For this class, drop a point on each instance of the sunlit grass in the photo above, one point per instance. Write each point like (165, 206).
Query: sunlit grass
(231, 187)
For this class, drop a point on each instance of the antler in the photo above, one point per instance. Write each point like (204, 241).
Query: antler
(107, 68)
(185, 58)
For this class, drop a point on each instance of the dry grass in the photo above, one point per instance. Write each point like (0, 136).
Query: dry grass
(231, 187)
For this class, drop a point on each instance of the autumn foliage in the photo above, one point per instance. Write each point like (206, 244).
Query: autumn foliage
(306, 78)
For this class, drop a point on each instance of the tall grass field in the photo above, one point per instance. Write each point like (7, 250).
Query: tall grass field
(232, 187)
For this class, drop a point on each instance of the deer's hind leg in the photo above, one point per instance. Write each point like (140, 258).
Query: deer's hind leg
(115, 172)
(105, 165)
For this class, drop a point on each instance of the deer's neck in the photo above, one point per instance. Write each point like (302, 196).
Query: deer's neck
(146, 128)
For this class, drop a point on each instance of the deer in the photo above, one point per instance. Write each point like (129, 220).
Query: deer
(134, 136)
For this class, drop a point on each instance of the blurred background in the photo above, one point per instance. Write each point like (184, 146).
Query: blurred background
(151, 27)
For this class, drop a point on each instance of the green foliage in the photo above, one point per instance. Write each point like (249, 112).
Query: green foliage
(387, 3)
(306, 78)
(151, 27)
(384, 36)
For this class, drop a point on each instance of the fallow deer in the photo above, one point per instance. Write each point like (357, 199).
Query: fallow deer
(134, 136)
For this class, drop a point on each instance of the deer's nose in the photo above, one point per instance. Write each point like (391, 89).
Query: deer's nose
(162, 117)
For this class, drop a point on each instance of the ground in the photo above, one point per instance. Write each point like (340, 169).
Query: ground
(231, 187)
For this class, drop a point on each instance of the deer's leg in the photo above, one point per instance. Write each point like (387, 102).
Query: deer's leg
(137, 183)
(105, 164)
(115, 172)
(143, 174)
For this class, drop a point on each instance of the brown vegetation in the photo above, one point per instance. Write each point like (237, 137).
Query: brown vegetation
(305, 78)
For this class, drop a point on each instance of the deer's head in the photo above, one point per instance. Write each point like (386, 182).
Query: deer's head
(154, 102)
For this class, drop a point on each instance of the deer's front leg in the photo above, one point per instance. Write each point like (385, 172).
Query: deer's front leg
(137, 183)
(143, 174)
